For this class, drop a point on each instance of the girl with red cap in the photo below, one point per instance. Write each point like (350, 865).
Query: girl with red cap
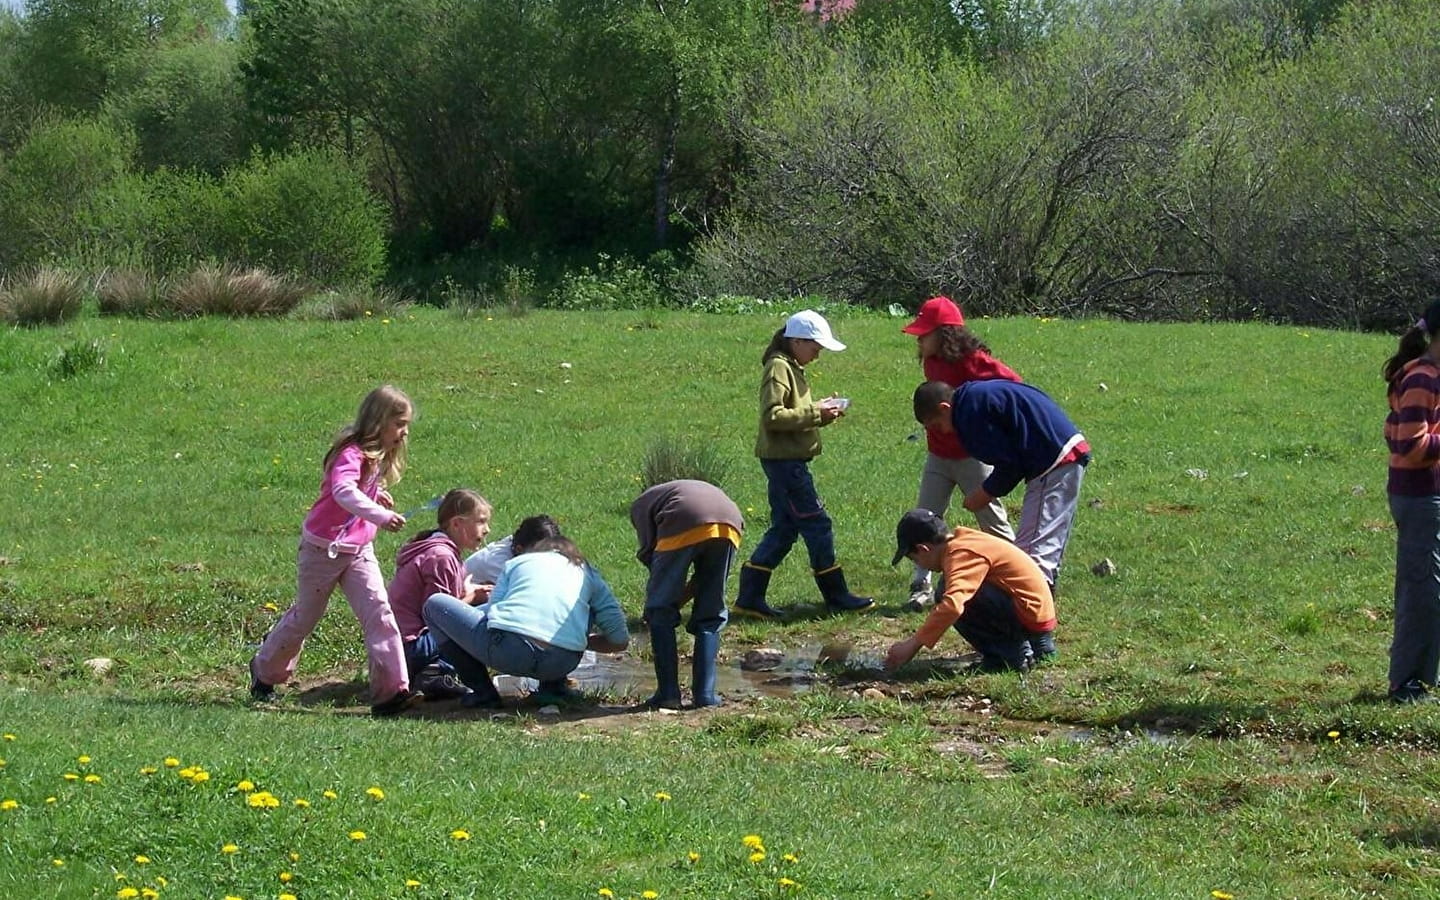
(952, 353)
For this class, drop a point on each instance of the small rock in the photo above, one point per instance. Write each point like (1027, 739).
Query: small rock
(1097, 503)
(762, 659)
(1197, 474)
(1103, 387)
(872, 694)
(6, 561)
(1104, 568)
(99, 666)
(1358, 490)
(189, 567)
(551, 710)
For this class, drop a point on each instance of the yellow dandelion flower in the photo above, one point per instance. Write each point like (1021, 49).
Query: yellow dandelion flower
(294, 857)
(605, 892)
(148, 770)
(1333, 735)
(233, 897)
(460, 834)
(9, 804)
(661, 796)
(1221, 895)
(789, 883)
(57, 862)
(245, 786)
(758, 856)
(302, 803)
(92, 778)
(285, 877)
(2, 763)
(375, 792)
(230, 848)
(287, 897)
(790, 857)
(752, 841)
(127, 892)
(584, 796)
(162, 881)
(693, 856)
(200, 777)
(83, 760)
(357, 835)
(188, 772)
(71, 776)
(649, 895)
(142, 859)
(119, 876)
(149, 893)
(270, 607)
(330, 795)
(9, 737)
(171, 762)
(411, 883)
(49, 799)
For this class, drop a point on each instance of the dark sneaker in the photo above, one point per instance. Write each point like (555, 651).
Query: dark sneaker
(662, 701)
(479, 700)
(921, 597)
(259, 690)
(1409, 695)
(558, 691)
(395, 705)
(441, 687)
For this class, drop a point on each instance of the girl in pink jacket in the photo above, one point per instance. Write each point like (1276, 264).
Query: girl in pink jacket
(365, 458)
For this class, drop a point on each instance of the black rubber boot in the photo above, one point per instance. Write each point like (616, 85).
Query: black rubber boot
(707, 648)
(837, 594)
(667, 670)
(754, 581)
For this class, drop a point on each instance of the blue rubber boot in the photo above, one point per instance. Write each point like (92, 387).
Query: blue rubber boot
(707, 648)
(667, 670)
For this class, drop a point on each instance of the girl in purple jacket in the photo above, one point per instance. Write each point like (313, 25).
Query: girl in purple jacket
(366, 457)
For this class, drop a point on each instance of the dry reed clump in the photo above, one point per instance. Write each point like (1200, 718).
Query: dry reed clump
(238, 293)
(129, 292)
(45, 296)
(354, 303)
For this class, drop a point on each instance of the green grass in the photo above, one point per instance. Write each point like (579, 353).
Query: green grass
(151, 508)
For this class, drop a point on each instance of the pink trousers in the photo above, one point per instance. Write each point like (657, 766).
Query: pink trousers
(358, 575)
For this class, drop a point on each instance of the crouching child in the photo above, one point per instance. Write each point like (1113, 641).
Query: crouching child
(995, 595)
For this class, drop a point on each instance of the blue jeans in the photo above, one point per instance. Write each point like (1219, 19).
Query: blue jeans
(665, 591)
(796, 511)
(425, 651)
(1415, 649)
(470, 645)
(992, 626)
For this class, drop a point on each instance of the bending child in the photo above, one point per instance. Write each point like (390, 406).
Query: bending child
(683, 527)
(994, 595)
(365, 458)
(536, 624)
(789, 437)
(429, 563)
(1022, 433)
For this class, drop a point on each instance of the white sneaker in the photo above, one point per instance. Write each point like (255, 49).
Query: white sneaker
(920, 597)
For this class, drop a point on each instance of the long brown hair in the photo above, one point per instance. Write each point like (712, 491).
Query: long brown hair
(779, 344)
(379, 408)
(958, 342)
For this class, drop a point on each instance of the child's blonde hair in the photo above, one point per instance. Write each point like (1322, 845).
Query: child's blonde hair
(460, 502)
(378, 409)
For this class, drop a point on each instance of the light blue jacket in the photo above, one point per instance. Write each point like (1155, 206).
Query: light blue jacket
(545, 596)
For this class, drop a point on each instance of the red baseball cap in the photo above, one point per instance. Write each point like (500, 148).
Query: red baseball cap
(933, 313)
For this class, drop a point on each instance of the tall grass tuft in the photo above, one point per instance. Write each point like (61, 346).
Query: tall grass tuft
(353, 303)
(44, 297)
(215, 291)
(77, 358)
(129, 292)
(669, 459)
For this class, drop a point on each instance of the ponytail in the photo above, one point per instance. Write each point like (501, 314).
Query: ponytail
(1413, 342)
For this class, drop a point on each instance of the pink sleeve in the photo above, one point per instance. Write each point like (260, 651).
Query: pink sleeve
(344, 479)
(443, 572)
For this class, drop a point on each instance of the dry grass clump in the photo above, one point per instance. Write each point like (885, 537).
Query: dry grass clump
(238, 293)
(43, 297)
(354, 303)
(129, 292)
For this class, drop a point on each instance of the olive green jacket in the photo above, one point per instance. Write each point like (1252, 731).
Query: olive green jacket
(789, 418)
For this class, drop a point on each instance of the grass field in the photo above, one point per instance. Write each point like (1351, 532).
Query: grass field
(1214, 722)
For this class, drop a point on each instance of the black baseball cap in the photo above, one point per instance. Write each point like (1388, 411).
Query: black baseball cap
(918, 526)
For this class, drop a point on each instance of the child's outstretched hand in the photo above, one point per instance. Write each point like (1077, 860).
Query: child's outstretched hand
(384, 499)
(396, 522)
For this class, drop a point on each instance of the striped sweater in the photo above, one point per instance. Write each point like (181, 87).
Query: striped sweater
(1413, 430)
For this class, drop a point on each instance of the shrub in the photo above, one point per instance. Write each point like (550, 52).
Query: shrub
(45, 297)
(614, 283)
(129, 292)
(77, 358)
(308, 213)
(669, 459)
(214, 291)
(353, 303)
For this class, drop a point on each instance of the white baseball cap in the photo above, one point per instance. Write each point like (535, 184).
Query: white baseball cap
(811, 325)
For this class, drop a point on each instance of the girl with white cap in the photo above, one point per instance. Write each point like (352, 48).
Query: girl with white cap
(789, 437)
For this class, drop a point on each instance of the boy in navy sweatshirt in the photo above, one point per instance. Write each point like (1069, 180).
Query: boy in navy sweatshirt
(1022, 433)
